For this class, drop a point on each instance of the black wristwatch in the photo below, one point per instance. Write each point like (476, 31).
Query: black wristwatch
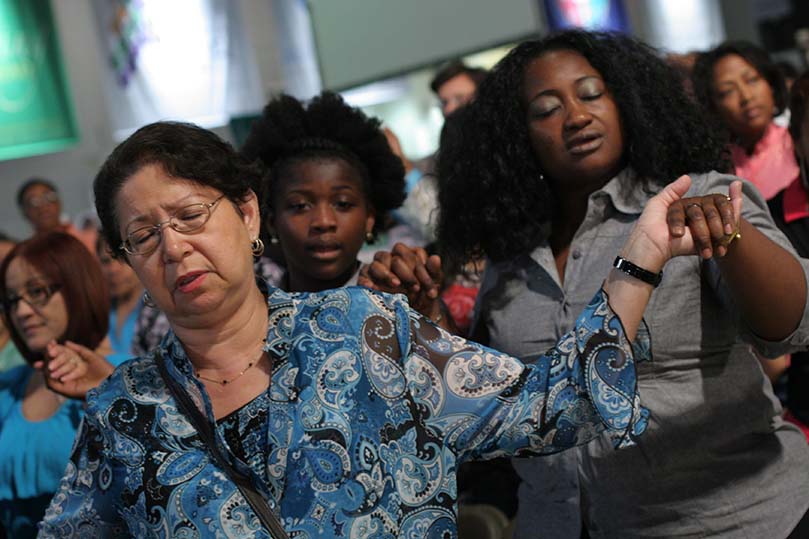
(637, 272)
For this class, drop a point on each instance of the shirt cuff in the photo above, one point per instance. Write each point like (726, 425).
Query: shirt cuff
(609, 368)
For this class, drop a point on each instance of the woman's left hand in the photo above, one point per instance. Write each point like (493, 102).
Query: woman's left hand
(63, 364)
(712, 220)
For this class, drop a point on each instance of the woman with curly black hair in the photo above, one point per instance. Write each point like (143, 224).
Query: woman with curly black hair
(743, 91)
(568, 140)
(332, 180)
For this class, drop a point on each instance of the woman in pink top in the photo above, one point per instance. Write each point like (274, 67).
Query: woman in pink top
(739, 85)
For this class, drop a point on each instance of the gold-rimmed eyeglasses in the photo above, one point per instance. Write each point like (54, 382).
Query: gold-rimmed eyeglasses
(186, 220)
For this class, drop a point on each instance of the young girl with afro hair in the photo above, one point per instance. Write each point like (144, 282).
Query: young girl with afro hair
(332, 179)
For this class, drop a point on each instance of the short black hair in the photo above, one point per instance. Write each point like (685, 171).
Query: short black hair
(29, 183)
(493, 197)
(184, 151)
(787, 69)
(453, 69)
(288, 132)
(702, 75)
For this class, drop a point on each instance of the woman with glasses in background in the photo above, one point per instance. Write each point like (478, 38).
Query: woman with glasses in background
(56, 308)
(39, 201)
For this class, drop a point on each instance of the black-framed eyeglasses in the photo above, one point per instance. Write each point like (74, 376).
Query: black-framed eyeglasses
(35, 296)
(186, 220)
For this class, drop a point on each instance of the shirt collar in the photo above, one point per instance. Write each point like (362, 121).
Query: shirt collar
(627, 193)
(796, 201)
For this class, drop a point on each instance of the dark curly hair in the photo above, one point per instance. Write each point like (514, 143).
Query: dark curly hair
(493, 197)
(289, 132)
(184, 151)
(702, 76)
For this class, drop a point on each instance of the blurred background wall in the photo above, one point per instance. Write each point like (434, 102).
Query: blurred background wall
(215, 62)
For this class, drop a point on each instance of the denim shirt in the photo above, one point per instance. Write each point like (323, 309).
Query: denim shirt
(371, 410)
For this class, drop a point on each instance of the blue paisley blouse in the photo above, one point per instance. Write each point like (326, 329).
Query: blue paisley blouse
(370, 411)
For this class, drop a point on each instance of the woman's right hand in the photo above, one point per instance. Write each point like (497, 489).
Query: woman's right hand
(72, 369)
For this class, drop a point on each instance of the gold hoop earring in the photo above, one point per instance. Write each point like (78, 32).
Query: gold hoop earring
(257, 247)
(148, 301)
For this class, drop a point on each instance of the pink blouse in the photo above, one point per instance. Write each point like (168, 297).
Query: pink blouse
(771, 167)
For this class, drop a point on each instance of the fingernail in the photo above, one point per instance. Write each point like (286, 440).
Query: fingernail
(678, 230)
(728, 228)
(706, 253)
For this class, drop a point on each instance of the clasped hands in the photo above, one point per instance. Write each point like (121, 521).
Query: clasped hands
(713, 221)
(704, 225)
(71, 369)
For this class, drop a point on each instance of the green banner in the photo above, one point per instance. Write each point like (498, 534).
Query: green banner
(35, 110)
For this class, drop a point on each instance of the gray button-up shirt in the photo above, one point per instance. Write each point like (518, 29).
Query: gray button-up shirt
(717, 459)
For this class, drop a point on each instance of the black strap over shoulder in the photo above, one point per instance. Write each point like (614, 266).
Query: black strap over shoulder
(203, 427)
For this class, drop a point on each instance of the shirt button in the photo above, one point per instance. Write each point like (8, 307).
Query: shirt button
(576, 254)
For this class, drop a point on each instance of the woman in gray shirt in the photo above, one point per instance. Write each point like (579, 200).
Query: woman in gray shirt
(568, 139)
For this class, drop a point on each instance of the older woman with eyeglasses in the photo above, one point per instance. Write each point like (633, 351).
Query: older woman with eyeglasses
(335, 413)
(55, 306)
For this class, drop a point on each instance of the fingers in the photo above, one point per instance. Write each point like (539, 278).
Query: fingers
(676, 189)
(436, 271)
(726, 214)
(675, 218)
(64, 364)
(675, 214)
(426, 282)
(716, 214)
(84, 353)
(700, 232)
(405, 270)
(410, 253)
(736, 199)
(78, 371)
(66, 367)
(378, 274)
(719, 215)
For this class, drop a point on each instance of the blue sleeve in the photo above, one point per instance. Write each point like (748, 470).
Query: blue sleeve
(83, 505)
(487, 404)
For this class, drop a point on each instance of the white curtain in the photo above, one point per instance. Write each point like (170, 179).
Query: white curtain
(178, 59)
